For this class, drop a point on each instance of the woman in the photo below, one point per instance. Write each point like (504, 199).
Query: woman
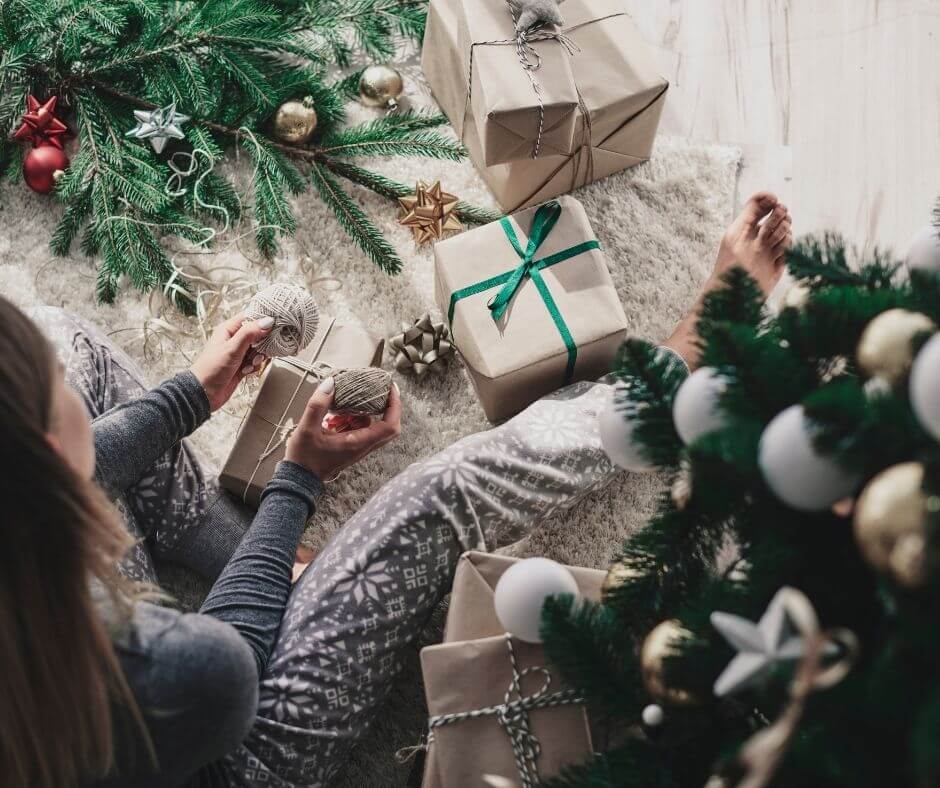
(266, 684)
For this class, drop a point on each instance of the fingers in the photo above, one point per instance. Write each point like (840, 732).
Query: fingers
(248, 334)
(253, 362)
(226, 329)
(392, 413)
(380, 432)
(317, 407)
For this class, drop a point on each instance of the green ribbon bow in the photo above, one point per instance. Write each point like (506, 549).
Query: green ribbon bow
(545, 218)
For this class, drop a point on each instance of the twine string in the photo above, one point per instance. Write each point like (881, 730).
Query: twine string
(512, 715)
(529, 59)
(279, 433)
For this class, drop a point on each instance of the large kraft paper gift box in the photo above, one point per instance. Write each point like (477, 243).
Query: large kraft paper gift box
(530, 303)
(471, 669)
(619, 90)
(287, 385)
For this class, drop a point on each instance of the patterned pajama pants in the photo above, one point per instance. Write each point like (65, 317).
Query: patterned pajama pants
(367, 596)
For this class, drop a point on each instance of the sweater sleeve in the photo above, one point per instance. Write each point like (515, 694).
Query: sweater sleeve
(131, 437)
(251, 593)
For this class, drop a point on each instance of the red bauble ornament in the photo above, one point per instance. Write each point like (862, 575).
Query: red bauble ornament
(43, 166)
(40, 125)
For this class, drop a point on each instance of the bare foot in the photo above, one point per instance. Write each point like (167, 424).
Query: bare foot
(756, 241)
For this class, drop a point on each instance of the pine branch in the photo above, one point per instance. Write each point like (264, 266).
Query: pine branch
(387, 187)
(651, 378)
(354, 221)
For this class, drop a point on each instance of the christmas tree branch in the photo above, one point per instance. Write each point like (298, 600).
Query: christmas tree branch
(388, 187)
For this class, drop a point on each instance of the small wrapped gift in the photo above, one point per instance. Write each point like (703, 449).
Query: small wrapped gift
(618, 93)
(520, 90)
(287, 385)
(473, 670)
(530, 303)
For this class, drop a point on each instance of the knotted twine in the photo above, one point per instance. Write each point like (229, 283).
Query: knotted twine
(295, 314)
(513, 717)
(523, 42)
(529, 59)
(756, 763)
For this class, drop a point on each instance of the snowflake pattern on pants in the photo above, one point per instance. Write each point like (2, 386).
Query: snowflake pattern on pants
(367, 596)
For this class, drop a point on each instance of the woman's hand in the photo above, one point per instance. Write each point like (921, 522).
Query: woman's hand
(326, 453)
(229, 357)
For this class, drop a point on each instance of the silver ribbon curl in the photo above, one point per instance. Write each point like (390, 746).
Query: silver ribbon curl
(756, 762)
(512, 715)
(421, 347)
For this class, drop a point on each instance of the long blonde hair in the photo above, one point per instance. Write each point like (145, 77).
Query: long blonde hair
(60, 681)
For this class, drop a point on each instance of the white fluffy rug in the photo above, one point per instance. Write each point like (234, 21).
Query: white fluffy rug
(658, 223)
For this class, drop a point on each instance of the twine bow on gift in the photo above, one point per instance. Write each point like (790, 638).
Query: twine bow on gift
(756, 763)
(421, 347)
(530, 268)
(529, 59)
(513, 716)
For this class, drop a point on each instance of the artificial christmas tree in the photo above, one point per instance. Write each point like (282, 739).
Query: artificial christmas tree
(145, 86)
(671, 653)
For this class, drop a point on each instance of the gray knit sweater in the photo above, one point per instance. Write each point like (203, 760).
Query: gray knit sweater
(195, 675)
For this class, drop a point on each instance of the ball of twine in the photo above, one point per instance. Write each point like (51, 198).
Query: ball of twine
(295, 316)
(362, 390)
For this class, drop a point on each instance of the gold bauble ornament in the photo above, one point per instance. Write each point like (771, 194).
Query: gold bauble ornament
(380, 86)
(660, 643)
(884, 350)
(891, 521)
(295, 121)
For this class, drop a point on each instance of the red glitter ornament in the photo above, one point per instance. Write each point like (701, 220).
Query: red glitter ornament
(40, 125)
(43, 166)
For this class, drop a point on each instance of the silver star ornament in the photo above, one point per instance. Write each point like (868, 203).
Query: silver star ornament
(158, 126)
(761, 646)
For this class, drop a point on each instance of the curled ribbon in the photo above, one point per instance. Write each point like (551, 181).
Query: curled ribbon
(512, 715)
(756, 762)
(422, 347)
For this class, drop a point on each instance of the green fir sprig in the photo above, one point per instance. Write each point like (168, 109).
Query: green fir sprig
(228, 64)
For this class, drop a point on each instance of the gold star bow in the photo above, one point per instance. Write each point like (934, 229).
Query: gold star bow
(430, 213)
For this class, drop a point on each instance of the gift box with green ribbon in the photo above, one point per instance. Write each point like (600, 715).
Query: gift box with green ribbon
(530, 303)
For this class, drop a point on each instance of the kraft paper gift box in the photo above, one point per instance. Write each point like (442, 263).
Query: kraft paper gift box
(564, 321)
(506, 107)
(467, 672)
(620, 97)
(284, 391)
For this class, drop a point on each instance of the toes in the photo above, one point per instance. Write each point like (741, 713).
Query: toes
(758, 204)
(772, 223)
(780, 233)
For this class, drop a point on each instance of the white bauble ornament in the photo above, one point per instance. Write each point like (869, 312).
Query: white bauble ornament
(523, 589)
(798, 475)
(617, 436)
(924, 253)
(925, 386)
(653, 715)
(695, 408)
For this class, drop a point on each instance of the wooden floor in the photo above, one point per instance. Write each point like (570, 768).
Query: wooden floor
(835, 102)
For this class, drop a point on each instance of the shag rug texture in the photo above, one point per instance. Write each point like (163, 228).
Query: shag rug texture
(659, 224)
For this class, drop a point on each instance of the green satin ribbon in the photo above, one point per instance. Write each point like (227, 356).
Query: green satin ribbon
(543, 222)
